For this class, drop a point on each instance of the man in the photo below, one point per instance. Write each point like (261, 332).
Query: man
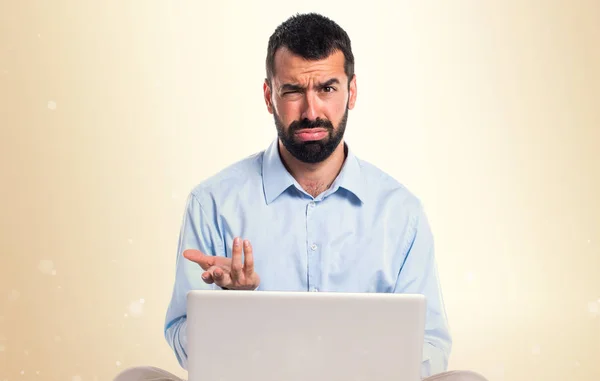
(306, 213)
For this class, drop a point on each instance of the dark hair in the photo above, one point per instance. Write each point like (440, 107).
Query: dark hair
(312, 37)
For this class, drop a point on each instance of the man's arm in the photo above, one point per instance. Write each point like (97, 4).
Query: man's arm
(419, 275)
(198, 231)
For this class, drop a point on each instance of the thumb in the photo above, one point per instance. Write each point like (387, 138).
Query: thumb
(205, 261)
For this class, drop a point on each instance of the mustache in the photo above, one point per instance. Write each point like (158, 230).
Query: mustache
(307, 124)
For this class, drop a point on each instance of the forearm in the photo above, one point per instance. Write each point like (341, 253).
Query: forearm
(419, 275)
(176, 336)
(198, 233)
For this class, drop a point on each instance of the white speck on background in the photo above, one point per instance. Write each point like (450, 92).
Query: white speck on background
(26, 352)
(14, 295)
(51, 105)
(53, 272)
(59, 287)
(39, 35)
(142, 301)
(37, 372)
(125, 315)
(46, 266)
(577, 364)
(594, 308)
(535, 350)
(22, 372)
(174, 195)
(2, 348)
(118, 363)
(57, 338)
(130, 240)
(136, 308)
(76, 378)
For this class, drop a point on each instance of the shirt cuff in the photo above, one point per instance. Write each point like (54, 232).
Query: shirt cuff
(434, 361)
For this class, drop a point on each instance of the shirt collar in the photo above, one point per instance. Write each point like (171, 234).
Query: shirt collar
(277, 179)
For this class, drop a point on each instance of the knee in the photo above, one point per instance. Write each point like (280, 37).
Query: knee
(468, 375)
(457, 375)
(131, 374)
(138, 373)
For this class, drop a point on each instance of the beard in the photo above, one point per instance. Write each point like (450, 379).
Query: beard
(314, 151)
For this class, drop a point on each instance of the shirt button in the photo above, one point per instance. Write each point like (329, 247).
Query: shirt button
(312, 204)
(313, 247)
(315, 289)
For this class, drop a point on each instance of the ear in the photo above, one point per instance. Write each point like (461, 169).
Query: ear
(268, 96)
(352, 93)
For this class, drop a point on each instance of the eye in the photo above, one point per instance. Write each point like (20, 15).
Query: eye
(328, 89)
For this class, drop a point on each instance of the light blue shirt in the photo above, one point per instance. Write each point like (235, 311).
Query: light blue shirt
(366, 233)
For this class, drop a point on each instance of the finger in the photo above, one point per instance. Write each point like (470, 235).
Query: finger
(221, 277)
(236, 260)
(205, 261)
(207, 277)
(217, 275)
(248, 258)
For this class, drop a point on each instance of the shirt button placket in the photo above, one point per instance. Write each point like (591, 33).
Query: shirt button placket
(312, 248)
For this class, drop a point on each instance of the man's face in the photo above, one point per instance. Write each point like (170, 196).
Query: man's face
(309, 101)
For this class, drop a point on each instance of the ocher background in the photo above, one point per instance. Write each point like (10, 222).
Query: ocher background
(111, 112)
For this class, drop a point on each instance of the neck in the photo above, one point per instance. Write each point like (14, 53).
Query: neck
(314, 178)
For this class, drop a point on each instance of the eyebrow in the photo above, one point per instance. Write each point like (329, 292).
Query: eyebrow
(294, 87)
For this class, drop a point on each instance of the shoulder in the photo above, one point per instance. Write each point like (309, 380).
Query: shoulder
(385, 188)
(400, 209)
(230, 179)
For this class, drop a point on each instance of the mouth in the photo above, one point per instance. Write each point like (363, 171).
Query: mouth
(311, 134)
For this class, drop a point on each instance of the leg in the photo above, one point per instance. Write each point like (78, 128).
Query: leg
(456, 375)
(146, 373)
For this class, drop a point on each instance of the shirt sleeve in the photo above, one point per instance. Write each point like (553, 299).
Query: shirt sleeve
(198, 231)
(419, 275)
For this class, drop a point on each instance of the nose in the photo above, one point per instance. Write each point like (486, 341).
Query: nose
(311, 106)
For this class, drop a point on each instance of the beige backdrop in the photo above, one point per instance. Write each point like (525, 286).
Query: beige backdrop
(111, 111)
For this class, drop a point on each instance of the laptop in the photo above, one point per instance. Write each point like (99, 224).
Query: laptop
(304, 336)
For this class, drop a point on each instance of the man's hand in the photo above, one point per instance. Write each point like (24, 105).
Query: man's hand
(228, 272)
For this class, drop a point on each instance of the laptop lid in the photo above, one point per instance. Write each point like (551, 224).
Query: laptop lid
(304, 336)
